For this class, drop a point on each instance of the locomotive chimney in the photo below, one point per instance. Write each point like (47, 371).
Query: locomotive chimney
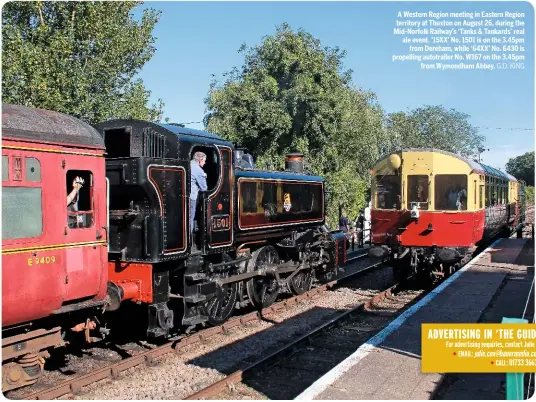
(294, 162)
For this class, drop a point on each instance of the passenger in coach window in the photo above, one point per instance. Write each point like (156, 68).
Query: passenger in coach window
(72, 201)
(198, 183)
(452, 199)
(461, 200)
(72, 198)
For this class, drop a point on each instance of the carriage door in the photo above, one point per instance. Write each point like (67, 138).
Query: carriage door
(84, 233)
(218, 228)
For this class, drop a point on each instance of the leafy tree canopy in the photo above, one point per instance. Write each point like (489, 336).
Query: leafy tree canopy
(292, 94)
(434, 127)
(529, 195)
(78, 58)
(522, 167)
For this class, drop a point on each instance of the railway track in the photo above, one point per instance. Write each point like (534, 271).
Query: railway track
(74, 385)
(286, 371)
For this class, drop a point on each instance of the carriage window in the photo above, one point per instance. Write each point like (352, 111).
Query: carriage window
(22, 212)
(451, 192)
(488, 197)
(79, 202)
(33, 170)
(5, 168)
(418, 190)
(388, 194)
(481, 196)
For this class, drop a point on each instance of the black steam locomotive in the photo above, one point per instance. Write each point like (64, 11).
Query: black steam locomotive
(257, 232)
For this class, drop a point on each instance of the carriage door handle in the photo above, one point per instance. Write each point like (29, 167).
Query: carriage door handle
(105, 228)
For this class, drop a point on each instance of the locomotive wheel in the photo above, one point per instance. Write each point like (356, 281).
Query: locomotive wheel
(301, 282)
(329, 275)
(222, 306)
(262, 291)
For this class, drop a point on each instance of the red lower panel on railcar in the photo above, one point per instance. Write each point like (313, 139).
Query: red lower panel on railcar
(441, 228)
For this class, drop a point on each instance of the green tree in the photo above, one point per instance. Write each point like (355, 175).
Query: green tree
(529, 195)
(522, 167)
(434, 127)
(79, 58)
(292, 94)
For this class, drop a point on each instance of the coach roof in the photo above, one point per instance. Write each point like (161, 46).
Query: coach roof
(474, 165)
(27, 123)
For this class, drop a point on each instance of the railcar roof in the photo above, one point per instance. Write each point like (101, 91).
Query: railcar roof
(473, 164)
(46, 125)
(495, 172)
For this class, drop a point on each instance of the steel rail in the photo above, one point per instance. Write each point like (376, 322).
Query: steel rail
(74, 385)
(239, 375)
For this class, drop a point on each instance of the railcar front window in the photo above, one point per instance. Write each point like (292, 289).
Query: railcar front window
(451, 192)
(418, 191)
(388, 194)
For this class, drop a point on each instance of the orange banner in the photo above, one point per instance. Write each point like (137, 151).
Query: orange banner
(478, 348)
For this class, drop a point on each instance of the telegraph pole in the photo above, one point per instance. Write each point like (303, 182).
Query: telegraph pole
(480, 151)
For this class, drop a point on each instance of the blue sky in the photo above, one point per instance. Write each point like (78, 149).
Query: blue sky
(198, 39)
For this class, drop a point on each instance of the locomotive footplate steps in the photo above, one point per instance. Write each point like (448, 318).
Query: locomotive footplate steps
(374, 370)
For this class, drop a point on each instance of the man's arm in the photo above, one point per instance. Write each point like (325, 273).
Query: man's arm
(201, 179)
(77, 184)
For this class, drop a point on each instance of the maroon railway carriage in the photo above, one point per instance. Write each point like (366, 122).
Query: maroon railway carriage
(53, 261)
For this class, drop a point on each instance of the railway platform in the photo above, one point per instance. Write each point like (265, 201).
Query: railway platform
(495, 284)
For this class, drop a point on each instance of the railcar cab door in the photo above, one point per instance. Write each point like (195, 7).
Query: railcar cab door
(213, 217)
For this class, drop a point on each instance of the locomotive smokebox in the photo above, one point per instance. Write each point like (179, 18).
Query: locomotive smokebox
(294, 162)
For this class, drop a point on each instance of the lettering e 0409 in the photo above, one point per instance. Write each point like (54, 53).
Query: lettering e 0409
(41, 260)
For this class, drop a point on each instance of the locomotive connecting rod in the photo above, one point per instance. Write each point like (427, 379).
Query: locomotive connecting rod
(266, 271)
(228, 263)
